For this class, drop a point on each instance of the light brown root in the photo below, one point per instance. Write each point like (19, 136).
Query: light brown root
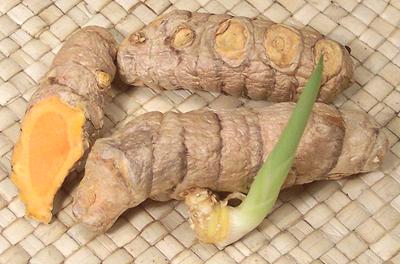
(208, 216)
(51, 143)
(103, 79)
(231, 41)
(182, 38)
(157, 22)
(137, 37)
(283, 46)
(333, 57)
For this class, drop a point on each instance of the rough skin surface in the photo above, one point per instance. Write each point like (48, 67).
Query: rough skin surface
(160, 156)
(63, 118)
(239, 56)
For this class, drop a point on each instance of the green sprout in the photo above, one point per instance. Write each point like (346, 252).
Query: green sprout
(221, 224)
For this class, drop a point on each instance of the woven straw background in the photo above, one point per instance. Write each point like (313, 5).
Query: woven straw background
(349, 221)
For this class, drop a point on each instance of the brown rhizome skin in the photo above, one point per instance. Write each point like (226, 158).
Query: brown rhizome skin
(239, 56)
(159, 156)
(64, 117)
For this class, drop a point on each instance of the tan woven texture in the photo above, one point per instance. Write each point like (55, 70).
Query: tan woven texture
(349, 221)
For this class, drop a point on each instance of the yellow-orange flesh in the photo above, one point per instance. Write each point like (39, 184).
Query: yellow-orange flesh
(231, 39)
(282, 45)
(51, 142)
(182, 38)
(333, 56)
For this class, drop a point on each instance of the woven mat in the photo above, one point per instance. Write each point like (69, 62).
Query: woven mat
(348, 221)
